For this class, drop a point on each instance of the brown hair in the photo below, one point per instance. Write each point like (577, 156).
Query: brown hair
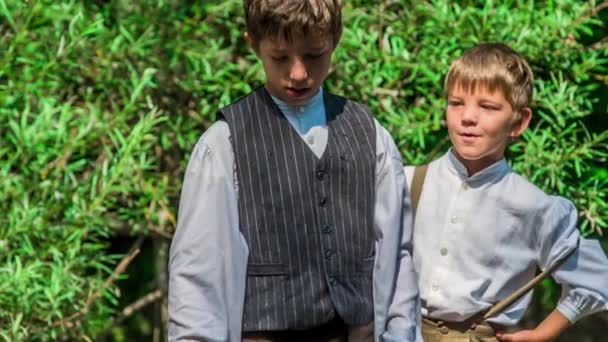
(497, 67)
(285, 18)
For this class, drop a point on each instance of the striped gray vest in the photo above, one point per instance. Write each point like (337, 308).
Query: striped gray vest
(308, 221)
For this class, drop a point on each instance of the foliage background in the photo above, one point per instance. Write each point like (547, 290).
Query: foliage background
(102, 101)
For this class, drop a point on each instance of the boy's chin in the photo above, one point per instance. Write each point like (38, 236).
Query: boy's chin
(294, 98)
(477, 157)
(291, 97)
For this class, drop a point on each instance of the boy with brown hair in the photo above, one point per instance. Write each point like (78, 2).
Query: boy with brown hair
(481, 229)
(288, 203)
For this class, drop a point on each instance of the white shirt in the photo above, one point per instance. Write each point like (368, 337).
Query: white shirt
(208, 256)
(478, 239)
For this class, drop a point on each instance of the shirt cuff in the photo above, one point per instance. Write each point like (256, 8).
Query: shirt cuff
(567, 308)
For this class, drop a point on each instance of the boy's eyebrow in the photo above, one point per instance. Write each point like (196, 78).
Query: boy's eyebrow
(483, 99)
(308, 50)
(497, 104)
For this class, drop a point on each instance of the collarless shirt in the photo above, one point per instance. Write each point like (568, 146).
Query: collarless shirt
(208, 255)
(478, 239)
(309, 120)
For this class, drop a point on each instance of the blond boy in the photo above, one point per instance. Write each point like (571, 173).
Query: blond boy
(481, 230)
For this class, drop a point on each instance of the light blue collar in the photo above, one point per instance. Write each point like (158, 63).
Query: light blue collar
(492, 172)
(311, 106)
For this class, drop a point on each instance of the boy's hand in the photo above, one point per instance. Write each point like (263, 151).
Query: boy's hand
(547, 331)
(523, 336)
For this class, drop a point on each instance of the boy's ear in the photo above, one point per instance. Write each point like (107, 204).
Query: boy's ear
(250, 42)
(522, 123)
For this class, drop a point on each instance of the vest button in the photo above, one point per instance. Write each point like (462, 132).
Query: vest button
(321, 175)
(328, 228)
(332, 282)
(323, 202)
(329, 255)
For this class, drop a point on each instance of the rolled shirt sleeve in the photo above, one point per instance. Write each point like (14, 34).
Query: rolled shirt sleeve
(584, 275)
(208, 255)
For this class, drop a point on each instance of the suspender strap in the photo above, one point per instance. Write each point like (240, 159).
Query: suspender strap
(515, 296)
(417, 182)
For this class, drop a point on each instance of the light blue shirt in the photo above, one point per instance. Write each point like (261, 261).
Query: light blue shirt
(208, 256)
(309, 121)
(478, 239)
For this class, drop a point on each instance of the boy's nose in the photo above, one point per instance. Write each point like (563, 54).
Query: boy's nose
(298, 71)
(469, 116)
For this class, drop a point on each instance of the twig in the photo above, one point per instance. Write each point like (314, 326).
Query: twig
(168, 213)
(121, 228)
(600, 7)
(384, 91)
(139, 304)
(600, 44)
(130, 309)
(59, 163)
(593, 11)
(592, 222)
(120, 268)
(381, 27)
(160, 232)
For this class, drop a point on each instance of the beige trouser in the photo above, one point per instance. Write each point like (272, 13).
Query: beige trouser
(334, 331)
(437, 331)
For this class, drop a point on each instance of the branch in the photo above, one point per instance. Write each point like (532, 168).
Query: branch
(600, 44)
(600, 7)
(137, 305)
(120, 268)
(160, 232)
(59, 163)
(592, 12)
(122, 228)
(130, 309)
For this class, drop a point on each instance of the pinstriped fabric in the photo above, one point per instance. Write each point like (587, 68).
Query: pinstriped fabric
(277, 294)
(353, 141)
(307, 220)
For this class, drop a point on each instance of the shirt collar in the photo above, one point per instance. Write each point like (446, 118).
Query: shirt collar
(311, 106)
(492, 172)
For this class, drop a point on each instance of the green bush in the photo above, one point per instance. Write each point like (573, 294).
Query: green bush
(101, 103)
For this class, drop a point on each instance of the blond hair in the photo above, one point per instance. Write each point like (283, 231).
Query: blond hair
(497, 67)
(284, 19)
